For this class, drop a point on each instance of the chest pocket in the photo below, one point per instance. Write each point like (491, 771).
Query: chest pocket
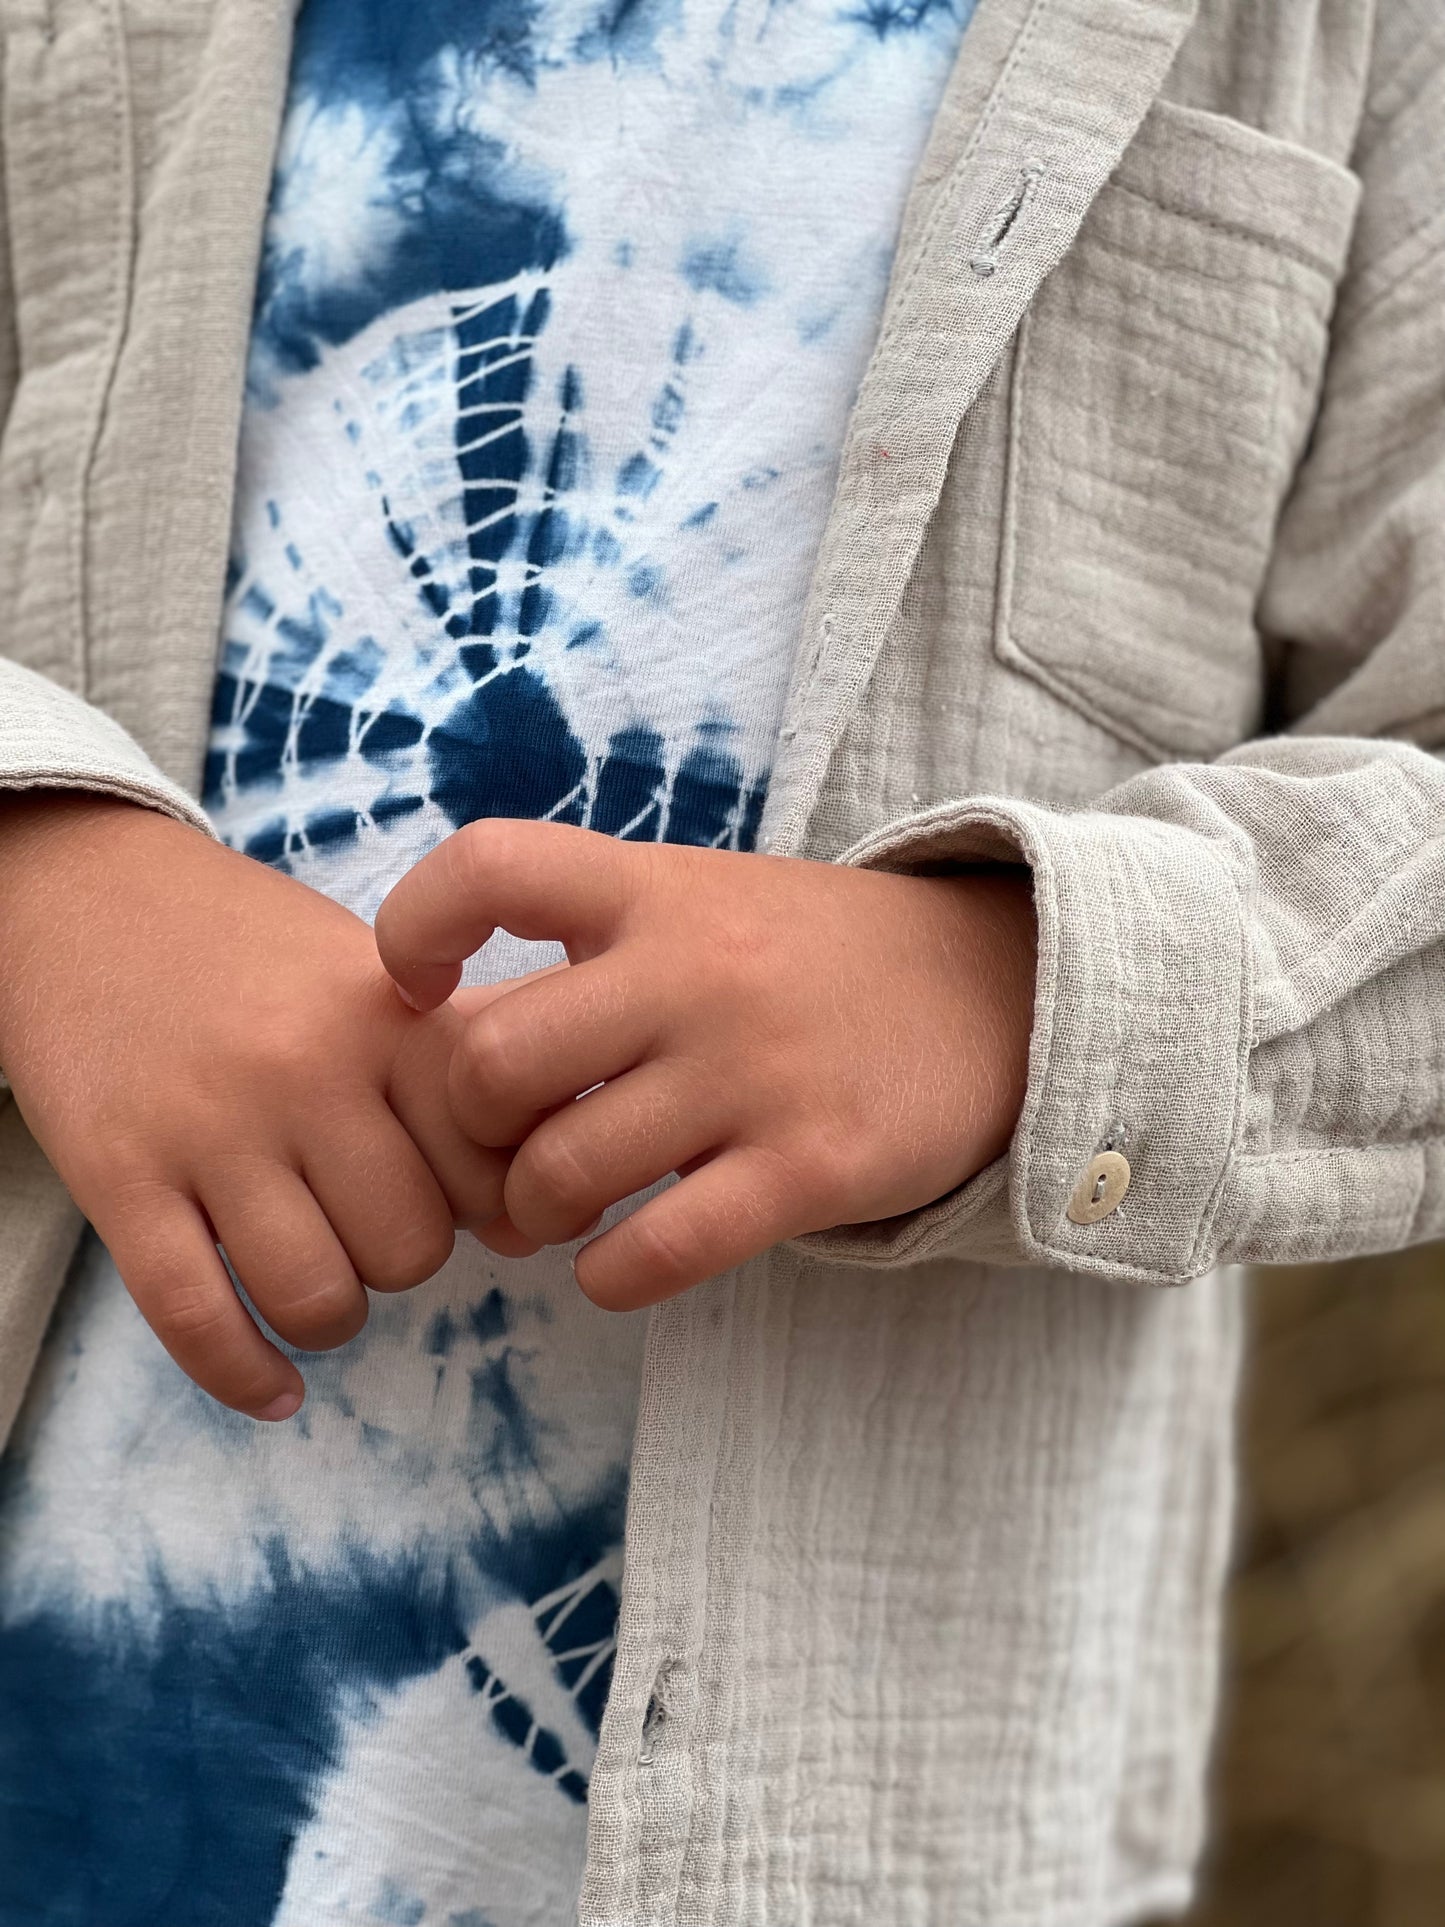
(1164, 382)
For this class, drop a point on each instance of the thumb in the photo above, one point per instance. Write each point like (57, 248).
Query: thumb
(538, 880)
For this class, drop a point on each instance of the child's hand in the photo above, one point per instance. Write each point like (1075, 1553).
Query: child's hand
(204, 1046)
(809, 1045)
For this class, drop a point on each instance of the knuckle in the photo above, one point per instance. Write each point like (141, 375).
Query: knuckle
(848, 1179)
(286, 1050)
(479, 847)
(191, 1315)
(495, 1053)
(320, 1315)
(125, 1177)
(492, 1126)
(666, 1250)
(550, 1171)
(414, 1253)
(819, 1169)
(476, 1197)
(199, 1322)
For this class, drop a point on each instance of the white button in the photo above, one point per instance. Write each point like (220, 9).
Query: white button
(1101, 1189)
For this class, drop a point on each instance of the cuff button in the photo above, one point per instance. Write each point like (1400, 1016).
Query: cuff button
(1101, 1189)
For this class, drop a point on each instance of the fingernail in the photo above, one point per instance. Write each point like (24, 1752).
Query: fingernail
(279, 1408)
(407, 998)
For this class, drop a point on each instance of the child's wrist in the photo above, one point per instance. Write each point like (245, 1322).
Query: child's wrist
(57, 849)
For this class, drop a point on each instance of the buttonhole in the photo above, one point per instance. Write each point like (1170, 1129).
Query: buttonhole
(984, 259)
(659, 1708)
(820, 642)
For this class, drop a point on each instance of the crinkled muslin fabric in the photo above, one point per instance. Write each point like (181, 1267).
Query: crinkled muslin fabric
(1136, 574)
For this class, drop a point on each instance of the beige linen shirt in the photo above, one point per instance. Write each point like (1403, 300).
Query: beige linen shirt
(1136, 570)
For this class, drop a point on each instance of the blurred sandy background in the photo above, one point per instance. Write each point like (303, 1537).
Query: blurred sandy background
(1330, 1779)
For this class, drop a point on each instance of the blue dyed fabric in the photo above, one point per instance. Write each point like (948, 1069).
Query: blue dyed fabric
(561, 311)
(345, 1670)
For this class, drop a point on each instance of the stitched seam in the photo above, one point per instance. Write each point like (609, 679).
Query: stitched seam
(72, 491)
(1222, 131)
(1195, 1260)
(947, 187)
(1018, 826)
(1322, 1153)
(1243, 1054)
(995, 237)
(686, 1855)
(1339, 939)
(802, 809)
(1041, 862)
(1273, 247)
(1318, 301)
(1013, 481)
(117, 81)
(1056, 681)
(1417, 1205)
(1369, 301)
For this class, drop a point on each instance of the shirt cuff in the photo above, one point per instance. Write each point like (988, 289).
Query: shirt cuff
(1138, 1057)
(51, 738)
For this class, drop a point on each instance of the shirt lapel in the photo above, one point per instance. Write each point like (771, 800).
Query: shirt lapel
(162, 475)
(1044, 99)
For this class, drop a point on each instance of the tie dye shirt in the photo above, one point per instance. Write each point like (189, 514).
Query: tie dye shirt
(562, 307)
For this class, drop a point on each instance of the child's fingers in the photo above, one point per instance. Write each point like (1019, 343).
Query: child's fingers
(164, 1251)
(382, 1201)
(608, 1145)
(538, 880)
(726, 1211)
(546, 1043)
(470, 1176)
(287, 1256)
(503, 1237)
(475, 997)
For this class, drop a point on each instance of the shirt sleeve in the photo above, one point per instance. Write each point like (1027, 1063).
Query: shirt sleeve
(52, 739)
(49, 737)
(1239, 1040)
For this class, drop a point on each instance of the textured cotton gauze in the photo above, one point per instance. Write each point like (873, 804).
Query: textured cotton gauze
(561, 313)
